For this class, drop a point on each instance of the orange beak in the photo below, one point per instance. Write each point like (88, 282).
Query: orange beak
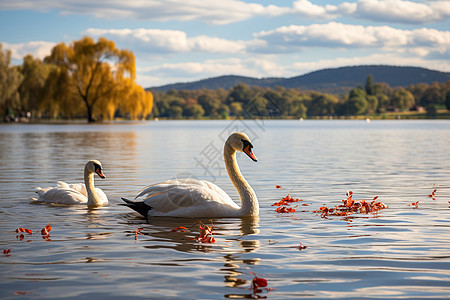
(249, 152)
(100, 173)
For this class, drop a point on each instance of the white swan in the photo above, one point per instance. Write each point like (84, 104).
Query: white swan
(193, 198)
(77, 193)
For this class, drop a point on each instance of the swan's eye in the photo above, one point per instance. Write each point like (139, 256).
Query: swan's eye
(97, 166)
(246, 144)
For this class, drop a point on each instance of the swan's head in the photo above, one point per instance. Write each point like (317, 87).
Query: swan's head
(94, 166)
(239, 141)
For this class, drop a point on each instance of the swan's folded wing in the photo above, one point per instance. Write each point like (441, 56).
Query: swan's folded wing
(79, 187)
(189, 196)
(62, 196)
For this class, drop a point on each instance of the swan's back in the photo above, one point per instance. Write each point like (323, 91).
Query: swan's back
(188, 198)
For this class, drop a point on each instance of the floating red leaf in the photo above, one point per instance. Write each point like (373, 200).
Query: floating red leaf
(433, 195)
(136, 232)
(414, 204)
(284, 209)
(205, 235)
(20, 229)
(286, 201)
(179, 228)
(301, 247)
(278, 186)
(258, 282)
(6, 251)
(46, 230)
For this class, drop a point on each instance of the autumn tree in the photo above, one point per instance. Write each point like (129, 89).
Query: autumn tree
(35, 74)
(100, 76)
(10, 80)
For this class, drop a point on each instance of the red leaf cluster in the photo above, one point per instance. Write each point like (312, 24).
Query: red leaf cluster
(6, 252)
(351, 206)
(205, 235)
(283, 203)
(45, 232)
(205, 232)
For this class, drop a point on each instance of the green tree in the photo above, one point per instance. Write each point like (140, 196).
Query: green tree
(10, 80)
(176, 112)
(431, 110)
(240, 93)
(236, 108)
(432, 95)
(372, 103)
(402, 99)
(370, 87)
(209, 103)
(93, 72)
(195, 111)
(322, 105)
(357, 102)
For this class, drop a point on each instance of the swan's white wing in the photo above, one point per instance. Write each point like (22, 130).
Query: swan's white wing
(60, 196)
(79, 187)
(188, 198)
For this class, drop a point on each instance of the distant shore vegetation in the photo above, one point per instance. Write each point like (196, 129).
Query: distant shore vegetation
(96, 81)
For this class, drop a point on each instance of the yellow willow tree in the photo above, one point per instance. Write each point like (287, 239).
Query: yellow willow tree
(92, 73)
(138, 103)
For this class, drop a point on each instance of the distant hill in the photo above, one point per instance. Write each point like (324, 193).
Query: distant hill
(336, 80)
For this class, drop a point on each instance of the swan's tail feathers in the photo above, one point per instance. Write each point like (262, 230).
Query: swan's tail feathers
(140, 207)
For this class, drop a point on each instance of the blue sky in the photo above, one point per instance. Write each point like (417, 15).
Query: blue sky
(182, 41)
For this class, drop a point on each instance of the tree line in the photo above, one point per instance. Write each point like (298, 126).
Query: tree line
(86, 79)
(96, 81)
(278, 102)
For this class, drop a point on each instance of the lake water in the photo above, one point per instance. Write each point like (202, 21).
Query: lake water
(399, 252)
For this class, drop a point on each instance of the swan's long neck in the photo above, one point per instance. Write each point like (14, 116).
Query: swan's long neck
(249, 202)
(93, 199)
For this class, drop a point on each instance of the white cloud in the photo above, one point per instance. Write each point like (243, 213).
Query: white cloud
(39, 49)
(399, 11)
(222, 12)
(294, 38)
(310, 10)
(168, 41)
(212, 11)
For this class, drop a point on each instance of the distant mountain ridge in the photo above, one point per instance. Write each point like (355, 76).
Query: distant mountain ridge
(335, 80)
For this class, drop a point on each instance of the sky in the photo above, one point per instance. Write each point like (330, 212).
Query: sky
(188, 40)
